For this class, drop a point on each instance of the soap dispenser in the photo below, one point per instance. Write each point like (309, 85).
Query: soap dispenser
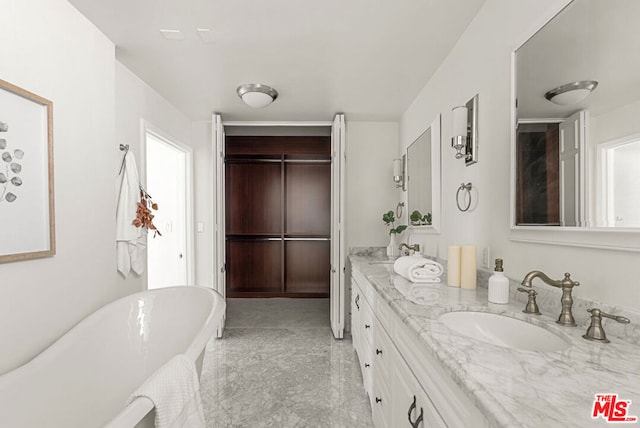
(498, 285)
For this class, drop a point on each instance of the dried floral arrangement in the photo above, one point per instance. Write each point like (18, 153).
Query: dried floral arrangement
(144, 216)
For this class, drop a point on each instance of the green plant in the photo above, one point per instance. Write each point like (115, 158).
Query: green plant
(417, 218)
(389, 218)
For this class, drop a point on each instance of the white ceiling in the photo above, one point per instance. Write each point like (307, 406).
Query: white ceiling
(590, 40)
(368, 59)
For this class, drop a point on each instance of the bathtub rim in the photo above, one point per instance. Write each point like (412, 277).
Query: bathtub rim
(133, 413)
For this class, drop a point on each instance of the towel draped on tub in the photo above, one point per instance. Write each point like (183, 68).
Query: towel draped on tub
(175, 391)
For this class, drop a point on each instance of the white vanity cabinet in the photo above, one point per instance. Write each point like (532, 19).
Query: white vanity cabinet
(407, 387)
(412, 407)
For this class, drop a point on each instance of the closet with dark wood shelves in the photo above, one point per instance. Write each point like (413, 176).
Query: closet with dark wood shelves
(278, 216)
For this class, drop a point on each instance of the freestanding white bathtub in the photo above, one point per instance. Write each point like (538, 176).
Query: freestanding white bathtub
(85, 377)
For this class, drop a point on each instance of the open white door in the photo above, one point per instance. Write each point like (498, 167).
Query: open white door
(217, 133)
(572, 163)
(337, 292)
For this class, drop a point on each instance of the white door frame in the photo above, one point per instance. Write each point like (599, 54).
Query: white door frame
(148, 128)
(338, 261)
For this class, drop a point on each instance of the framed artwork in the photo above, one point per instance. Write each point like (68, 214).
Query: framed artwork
(27, 226)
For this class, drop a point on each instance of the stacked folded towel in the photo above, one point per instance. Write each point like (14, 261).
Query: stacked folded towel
(418, 269)
(420, 293)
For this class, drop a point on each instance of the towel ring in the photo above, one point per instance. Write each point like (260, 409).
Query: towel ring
(399, 208)
(467, 196)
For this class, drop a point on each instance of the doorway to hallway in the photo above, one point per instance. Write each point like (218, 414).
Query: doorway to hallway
(168, 180)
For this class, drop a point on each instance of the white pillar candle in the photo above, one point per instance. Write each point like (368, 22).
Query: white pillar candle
(453, 266)
(468, 271)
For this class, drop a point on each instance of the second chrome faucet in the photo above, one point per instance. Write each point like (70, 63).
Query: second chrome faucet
(566, 284)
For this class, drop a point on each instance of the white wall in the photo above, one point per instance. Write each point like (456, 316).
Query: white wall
(203, 204)
(68, 61)
(136, 100)
(370, 192)
(481, 63)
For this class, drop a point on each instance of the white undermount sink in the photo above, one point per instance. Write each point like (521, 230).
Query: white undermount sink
(503, 331)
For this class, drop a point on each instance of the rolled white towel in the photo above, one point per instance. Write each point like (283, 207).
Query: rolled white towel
(418, 269)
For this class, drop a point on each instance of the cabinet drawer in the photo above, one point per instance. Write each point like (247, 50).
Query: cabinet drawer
(381, 402)
(366, 368)
(383, 352)
(363, 283)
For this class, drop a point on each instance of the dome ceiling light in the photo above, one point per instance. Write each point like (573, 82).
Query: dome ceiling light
(256, 95)
(571, 93)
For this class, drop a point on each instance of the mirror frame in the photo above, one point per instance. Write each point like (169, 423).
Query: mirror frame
(436, 204)
(621, 239)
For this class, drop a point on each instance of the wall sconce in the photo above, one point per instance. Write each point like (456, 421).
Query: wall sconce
(398, 172)
(465, 131)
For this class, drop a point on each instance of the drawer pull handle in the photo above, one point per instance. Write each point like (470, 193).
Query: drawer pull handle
(415, 424)
(378, 400)
(367, 365)
(356, 301)
(367, 326)
(378, 351)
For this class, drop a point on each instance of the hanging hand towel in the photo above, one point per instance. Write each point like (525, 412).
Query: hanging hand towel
(418, 269)
(130, 240)
(175, 391)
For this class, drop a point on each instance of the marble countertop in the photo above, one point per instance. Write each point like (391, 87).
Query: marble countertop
(515, 388)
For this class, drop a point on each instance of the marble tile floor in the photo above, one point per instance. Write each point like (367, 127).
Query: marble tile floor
(278, 365)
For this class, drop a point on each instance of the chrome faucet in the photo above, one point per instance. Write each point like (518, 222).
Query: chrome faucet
(414, 247)
(566, 284)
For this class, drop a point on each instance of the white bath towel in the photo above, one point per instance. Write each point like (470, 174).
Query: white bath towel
(420, 293)
(418, 269)
(131, 241)
(175, 391)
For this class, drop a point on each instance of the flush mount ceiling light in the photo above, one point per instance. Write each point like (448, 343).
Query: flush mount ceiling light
(256, 95)
(571, 93)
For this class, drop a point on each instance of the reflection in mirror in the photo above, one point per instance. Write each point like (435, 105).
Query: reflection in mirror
(423, 178)
(419, 174)
(576, 164)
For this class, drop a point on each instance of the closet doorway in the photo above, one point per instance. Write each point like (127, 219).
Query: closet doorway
(278, 216)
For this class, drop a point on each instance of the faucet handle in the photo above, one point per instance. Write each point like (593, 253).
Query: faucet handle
(595, 331)
(532, 306)
(568, 282)
(623, 320)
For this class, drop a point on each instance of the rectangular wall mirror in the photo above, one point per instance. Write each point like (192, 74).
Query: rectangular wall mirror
(576, 138)
(423, 179)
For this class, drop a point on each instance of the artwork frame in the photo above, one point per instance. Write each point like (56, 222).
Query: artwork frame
(27, 211)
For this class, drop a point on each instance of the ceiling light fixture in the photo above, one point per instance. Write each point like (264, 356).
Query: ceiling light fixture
(256, 95)
(571, 93)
